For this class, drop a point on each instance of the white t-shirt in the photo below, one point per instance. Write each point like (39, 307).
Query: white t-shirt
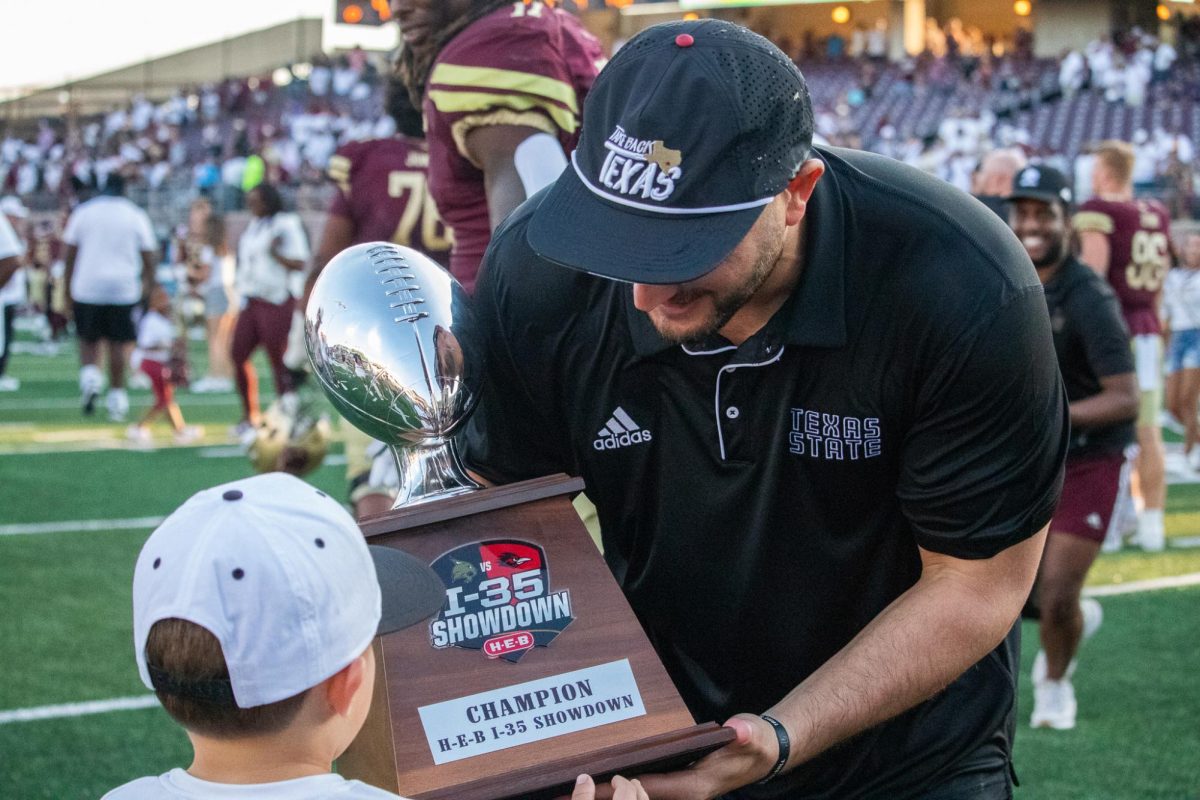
(179, 785)
(155, 336)
(110, 234)
(1181, 299)
(13, 291)
(258, 273)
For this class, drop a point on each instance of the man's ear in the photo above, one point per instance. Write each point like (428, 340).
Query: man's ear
(342, 686)
(801, 187)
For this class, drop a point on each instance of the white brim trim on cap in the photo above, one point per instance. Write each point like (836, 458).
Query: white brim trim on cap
(661, 209)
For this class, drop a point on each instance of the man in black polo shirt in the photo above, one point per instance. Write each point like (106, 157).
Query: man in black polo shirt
(814, 398)
(1092, 345)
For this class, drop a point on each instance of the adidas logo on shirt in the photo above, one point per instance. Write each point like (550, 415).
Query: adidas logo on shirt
(620, 431)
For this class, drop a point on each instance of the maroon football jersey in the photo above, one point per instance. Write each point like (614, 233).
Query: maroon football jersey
(523, 64)
(382, 189)
(1138, 234)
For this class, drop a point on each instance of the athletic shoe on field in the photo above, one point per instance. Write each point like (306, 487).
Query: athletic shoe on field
(1167, 420)
(89, 401)
(1054, 705)
(1093, 616)
(188, 434)
(9, 384)
(1151, 534)
(140, 436)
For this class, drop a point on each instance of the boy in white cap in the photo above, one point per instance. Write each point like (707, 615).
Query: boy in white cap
(254, 608)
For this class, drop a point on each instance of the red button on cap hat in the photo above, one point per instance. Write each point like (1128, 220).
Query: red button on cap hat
(684, 40)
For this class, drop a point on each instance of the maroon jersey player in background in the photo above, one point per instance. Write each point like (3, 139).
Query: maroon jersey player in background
(502, 84)
(1127, 242)
(382, 196)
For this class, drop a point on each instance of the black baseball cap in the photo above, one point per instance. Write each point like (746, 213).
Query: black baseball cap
(688, 133)
(1038, 182)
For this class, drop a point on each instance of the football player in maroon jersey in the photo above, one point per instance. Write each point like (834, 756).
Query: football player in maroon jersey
(382, 195)
(502, 84)
(1127, 242)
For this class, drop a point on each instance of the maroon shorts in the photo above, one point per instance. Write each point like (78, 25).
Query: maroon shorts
(1091, 491)
(158, 374)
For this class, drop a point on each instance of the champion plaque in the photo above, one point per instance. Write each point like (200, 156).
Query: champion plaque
(535, 668)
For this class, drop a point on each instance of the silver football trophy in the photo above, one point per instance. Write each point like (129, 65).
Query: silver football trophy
(388, 332)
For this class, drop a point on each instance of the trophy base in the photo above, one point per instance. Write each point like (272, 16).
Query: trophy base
(664, 753)
(403, 502)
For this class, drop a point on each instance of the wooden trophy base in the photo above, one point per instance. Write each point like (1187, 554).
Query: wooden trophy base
(488, 724)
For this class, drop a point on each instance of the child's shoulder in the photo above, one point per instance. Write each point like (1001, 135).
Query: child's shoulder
(179, 785)
(152, 787)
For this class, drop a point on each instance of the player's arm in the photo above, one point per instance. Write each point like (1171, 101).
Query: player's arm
(337, 236)
(517, 161)
(958, 611)
(8, 268)
(291, 264)
(69, 253)
(1095, 251)
(1116, 402)
(149, 265)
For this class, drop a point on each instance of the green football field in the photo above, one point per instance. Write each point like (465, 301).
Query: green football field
(76, 504)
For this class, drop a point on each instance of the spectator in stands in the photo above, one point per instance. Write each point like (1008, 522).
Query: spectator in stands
(1181, 302)
(110, 256)
(12, 280)
(273, 248)
(992, 183)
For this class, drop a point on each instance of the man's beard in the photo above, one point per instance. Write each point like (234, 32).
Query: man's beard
(725, 305)
(1054, 253)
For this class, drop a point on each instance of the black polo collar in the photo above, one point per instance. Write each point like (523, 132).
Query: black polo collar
(815, 314)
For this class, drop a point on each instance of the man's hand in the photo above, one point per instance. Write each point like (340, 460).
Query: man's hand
(745, 760)
(621, 789)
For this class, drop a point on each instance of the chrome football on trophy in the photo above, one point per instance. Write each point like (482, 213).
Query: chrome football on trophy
(387, 331)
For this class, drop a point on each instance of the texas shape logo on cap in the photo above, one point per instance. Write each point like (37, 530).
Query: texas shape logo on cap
(1029, 178)
(644, 168)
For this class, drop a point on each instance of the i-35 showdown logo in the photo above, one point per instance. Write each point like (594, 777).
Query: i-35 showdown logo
(498, 599)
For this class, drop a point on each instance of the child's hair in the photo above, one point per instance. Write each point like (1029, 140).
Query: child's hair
(191, 655)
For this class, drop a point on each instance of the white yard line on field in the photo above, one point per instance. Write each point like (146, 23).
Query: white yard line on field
(1148, 585)
(36, 404)
(81, 525)
(78, 709)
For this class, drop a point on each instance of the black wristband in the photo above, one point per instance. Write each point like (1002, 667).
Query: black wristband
(785, 747)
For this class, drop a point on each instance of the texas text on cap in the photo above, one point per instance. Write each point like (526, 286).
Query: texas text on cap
(280, 574)
(1037, 182)
(688, 132)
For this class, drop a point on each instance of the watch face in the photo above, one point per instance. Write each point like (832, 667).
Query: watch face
(498, 599)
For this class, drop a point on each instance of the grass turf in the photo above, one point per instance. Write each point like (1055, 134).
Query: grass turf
(67, 636)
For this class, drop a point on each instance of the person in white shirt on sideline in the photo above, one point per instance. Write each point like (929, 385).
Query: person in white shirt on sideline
(12, 281)
(110, 256)
(272, 250)
(158, 336)
(1181, 304)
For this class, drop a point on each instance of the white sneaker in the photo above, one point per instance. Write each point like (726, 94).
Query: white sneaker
(1167, 420)
(1054, 705)
(1151, 535)
(1193, 459)
(118, 404)
(140, 436)
(9, 384)
(189, 434)
(1093, 616)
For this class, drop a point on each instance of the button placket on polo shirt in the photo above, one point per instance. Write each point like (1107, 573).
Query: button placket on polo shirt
(734, 395)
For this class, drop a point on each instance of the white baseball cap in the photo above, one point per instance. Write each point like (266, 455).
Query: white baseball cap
(281, 575)
(13, 207)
